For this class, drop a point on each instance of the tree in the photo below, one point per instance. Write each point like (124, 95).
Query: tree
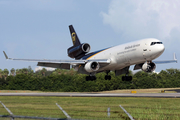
(43, 71)
(13, 72)
(25, 71)
(59, 71)
(5, 73)
(1, 73)
(29, 69)
(17, 71)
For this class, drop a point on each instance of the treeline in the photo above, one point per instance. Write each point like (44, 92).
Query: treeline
(71, 81)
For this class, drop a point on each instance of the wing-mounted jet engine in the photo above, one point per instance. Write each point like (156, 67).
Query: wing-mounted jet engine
(91, 66)
(146, 67)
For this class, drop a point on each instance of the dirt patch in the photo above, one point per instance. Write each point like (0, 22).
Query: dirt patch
(153, 90)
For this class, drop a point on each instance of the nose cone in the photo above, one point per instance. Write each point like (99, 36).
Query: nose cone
(161, 48)
(157, 50)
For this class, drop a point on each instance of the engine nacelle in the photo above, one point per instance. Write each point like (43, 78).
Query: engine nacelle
(149, 67)
(78, 51)
(91, 66)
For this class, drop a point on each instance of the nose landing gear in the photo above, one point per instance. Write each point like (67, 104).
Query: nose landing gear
(127, 77)
(90, 77)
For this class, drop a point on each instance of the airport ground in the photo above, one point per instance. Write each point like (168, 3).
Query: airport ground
(153, 90)
(94, 107)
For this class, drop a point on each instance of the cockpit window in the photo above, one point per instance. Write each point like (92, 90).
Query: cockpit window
(153, 43)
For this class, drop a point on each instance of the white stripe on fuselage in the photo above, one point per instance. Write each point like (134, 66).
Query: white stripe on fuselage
(130, 53)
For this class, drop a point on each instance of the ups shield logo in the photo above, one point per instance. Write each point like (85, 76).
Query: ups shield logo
(73, 35)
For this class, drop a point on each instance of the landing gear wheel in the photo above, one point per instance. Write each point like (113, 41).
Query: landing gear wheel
(126, 78)
(93, 77)
(87, 78)
(107, 77)
(90, 78)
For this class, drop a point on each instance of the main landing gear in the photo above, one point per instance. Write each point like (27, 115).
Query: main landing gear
(107, 77)
(126, 78)
(90, 77)
(93, 77)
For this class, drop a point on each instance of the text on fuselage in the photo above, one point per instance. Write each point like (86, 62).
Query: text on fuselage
(132, 46)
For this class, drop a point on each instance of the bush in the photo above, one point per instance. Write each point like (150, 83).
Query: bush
(73, 82)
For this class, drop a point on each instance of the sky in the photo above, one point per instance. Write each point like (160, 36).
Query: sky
(38, 29)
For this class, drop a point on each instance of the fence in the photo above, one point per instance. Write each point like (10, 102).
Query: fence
(12, 116)
(62, 108)
(94, 112)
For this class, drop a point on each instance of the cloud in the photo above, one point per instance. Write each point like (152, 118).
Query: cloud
(144, 18)
(47, 68)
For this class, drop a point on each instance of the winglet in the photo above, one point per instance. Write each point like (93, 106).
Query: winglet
(175, 57)
(5, 55)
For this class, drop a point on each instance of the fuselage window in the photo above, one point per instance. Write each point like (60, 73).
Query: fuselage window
(153, 43)
(159, 42)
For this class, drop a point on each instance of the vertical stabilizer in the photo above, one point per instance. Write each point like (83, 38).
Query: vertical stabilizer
(74, 36)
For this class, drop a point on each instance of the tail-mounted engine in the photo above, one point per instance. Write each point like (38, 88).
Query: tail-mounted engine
(148, 66)
(91, 66)
(79, 51)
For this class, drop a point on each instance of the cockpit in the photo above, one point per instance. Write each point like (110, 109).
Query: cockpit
(153, 43)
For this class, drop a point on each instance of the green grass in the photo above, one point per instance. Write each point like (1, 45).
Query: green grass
(93, 107)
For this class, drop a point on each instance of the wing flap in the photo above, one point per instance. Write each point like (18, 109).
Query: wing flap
(55, 65)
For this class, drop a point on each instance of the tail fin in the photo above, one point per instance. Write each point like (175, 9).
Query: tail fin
(74, 36)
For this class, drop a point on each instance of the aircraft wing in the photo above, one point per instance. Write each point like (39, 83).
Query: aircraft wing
(62, 64)
(167, 61)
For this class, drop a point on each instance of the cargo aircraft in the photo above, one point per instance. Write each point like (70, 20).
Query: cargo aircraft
(118, 58)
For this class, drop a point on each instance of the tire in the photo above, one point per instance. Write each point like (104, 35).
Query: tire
(123, 78)
(87, 78)
(93, 77)
(106, 77)
(109, 77)
(126, 78)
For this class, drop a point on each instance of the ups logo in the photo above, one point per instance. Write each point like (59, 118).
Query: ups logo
(73, 35)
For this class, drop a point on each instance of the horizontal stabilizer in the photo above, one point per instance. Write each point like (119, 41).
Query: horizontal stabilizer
(167, 61)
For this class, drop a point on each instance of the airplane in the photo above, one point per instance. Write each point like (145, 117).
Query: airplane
(119, 58)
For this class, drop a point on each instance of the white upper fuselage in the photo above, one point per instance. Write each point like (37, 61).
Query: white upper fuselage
(130, 53)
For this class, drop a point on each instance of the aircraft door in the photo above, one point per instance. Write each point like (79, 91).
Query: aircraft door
(145, 51)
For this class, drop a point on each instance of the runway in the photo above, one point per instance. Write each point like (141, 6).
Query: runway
(155, 95)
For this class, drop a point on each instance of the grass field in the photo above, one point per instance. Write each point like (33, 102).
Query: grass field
(93, 107)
